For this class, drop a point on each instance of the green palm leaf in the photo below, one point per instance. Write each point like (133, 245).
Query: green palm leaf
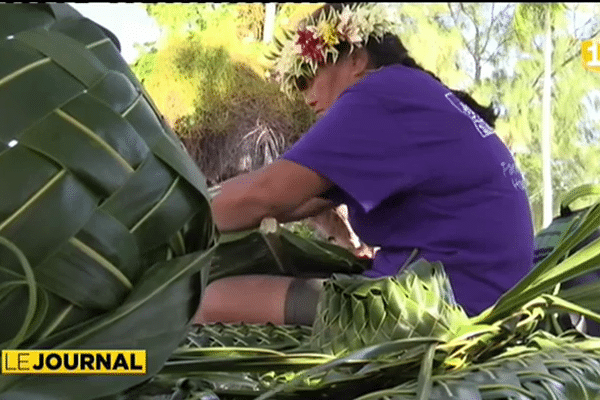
(546, 367)
(269, 336)
(105, 224)
(354, 313)
(555, 268)
(153, 318)
(496, 355)
(104, 219)
(273, 249)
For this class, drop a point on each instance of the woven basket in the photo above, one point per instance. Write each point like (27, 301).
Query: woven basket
(95, 190)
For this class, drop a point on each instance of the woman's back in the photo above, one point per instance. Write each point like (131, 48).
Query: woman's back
(419, 169)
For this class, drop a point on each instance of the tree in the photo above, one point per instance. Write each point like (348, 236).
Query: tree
(542, 16)
(180, 17)
(207, 77)
(564, 87)
(485, 30)
(432, 40)
(270, 16)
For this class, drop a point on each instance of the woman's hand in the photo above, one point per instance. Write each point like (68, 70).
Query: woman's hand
(276, 190)
(311, 208)
(365, 251)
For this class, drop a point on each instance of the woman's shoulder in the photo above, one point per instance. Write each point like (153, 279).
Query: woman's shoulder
(397, 73)
(399, 80)
(397, 87)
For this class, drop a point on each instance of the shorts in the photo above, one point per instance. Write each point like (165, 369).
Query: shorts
(302, 299)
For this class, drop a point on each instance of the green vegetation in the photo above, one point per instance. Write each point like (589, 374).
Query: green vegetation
(210, 80)
(106, 238)
(104, 219)
(200, 77)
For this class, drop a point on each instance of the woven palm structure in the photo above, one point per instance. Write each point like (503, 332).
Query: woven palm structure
(404, 337)
(354, 313)
(103, 215)
(105, 221)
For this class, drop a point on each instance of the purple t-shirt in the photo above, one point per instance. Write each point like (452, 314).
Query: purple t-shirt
(418, 169)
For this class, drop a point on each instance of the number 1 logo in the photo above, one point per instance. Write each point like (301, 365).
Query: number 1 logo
(590, 54)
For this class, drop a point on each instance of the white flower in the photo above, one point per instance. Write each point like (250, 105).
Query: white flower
(354, 24)
(345, 16)
(288, 56)
(347, 29)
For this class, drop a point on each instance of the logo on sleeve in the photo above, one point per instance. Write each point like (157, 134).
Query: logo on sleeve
(482, 127)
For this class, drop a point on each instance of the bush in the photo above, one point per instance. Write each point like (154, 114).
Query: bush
(213, 91)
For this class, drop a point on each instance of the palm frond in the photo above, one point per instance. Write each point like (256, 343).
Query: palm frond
(104, 218)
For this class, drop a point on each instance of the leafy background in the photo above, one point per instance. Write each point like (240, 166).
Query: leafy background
(208, 76)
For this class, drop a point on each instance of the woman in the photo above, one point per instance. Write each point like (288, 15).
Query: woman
(418, 165)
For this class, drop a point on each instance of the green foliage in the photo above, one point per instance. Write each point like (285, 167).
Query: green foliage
(224, 87)
(250, 17)
(405, 337)
(492, 50)
(173, 94)
(423, 34)
(571, 84)
(144, 65)
(206, 78)
(105, 219)
(304, 230)
(532, 17)
(176, 17)
(288, 14)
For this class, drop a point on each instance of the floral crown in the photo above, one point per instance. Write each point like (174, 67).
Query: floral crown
(315, 39)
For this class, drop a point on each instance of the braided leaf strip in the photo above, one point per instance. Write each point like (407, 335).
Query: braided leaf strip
(358, 312)
(559, 373)
(269, 336)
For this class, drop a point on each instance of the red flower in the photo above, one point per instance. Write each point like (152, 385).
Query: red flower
(313, 53)
(311, 46)
(304, 37)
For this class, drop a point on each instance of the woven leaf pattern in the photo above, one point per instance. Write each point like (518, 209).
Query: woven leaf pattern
(82, 171)
(354, 313)
(564, 371)
(269, 336)
(103, 215)
(104, 219)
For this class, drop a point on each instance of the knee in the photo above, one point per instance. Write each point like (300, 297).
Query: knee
(250, 299)
(211, 306)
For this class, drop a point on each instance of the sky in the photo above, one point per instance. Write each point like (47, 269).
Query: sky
(131, 24)
(128, 21)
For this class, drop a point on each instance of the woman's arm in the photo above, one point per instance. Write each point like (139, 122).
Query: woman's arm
(311, 208)
(278, 189)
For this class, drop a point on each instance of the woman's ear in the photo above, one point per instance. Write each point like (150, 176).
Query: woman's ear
(360, 61)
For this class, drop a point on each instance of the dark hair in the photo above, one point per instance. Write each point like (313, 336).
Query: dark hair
(390, 51)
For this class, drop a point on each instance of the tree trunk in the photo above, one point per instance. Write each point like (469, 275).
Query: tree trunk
(270, 13)
(547, 122)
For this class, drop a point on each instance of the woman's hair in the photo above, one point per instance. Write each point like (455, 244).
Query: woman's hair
(390, 51)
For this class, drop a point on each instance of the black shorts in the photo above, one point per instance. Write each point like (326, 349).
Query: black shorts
(301, 301)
